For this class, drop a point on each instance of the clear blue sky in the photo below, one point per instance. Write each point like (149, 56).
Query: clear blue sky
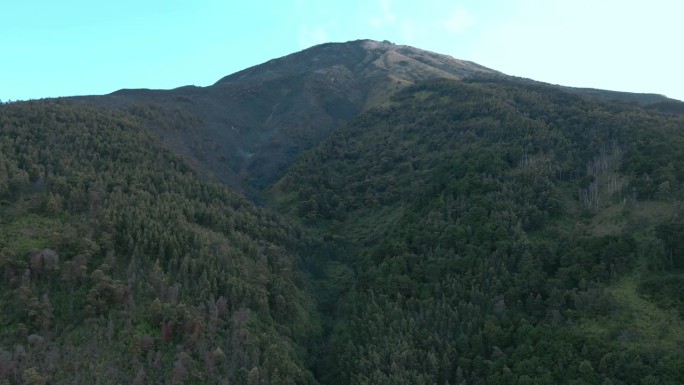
(75, 47)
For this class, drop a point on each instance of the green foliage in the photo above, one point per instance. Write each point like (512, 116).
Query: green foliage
(119, 265)
(665, 289)
(491, 231)
(466, 212)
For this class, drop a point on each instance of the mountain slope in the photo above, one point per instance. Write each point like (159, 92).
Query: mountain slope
(118, 265)
(246, 129)
(472, 228)
(497, 231)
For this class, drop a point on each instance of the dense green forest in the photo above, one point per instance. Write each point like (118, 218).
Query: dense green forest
(487, 231)
(498, 231)
(118, 265)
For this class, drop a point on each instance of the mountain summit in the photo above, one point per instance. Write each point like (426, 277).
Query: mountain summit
(375, 68)
(364, 57)
(248, 127)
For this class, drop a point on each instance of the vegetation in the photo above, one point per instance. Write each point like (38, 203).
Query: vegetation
(119, 266)
(498, 232)
(488, 231)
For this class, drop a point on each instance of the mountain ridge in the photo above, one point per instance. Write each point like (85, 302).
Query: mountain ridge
(247, 128)
(253, 123)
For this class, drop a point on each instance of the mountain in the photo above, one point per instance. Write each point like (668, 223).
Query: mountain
(246, 129)
(119, 265)
(421, 220)
(497, 231)
(249, 127)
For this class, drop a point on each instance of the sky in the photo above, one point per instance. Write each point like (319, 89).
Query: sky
(82, 47)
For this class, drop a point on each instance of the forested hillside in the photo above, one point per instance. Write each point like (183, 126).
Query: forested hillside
(484, 231)
(118, 265)
(497, 231)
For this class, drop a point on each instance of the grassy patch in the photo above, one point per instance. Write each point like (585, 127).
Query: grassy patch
(631, 216)
(28, 232)
(636, 322)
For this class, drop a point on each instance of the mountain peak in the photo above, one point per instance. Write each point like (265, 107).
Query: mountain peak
(254, 123)
(362, 58)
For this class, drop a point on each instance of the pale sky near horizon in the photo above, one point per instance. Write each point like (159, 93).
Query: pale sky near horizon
(78, 47)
